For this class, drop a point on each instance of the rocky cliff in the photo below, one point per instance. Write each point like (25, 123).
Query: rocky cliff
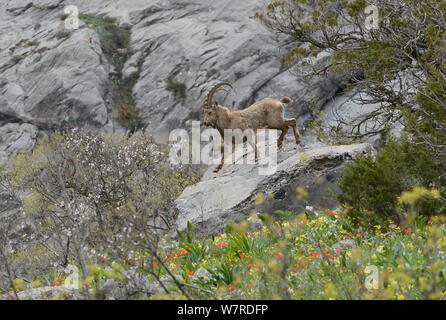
(55, 78)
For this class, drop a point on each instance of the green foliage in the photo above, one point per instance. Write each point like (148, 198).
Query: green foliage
(301, 258)
(375, 182)
(178, 89)
(97, 21)
(32, 43)
(115, 43)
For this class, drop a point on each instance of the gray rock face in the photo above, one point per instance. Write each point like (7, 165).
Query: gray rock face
(231, 194)
(52, 77)
(15, 137)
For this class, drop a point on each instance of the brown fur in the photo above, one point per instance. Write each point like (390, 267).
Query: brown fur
(265, 114)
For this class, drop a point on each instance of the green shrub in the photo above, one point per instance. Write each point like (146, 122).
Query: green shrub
(178, 89)
(375, 182)
(92, 196)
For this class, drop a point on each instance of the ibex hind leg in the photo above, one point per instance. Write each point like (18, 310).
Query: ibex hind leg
(292, 123)
(282, 136)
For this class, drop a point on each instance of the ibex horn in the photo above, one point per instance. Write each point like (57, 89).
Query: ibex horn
(214, 90)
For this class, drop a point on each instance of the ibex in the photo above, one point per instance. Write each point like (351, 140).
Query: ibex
(265, 114)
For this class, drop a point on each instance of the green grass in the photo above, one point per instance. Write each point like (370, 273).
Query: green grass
(97, 21)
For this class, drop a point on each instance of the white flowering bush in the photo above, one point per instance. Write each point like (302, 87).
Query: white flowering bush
(91, 197)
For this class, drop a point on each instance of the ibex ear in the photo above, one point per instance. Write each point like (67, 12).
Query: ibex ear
(215, 104)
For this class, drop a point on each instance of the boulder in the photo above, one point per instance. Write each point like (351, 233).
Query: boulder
(232, 194)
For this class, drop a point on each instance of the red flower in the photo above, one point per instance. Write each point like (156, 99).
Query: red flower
(56, 284)
(104, 259)
(295, 270)
(302, 265)
(184, 251)
(279, 231)
(280, 255)
(338, 250)
(369, 212)
(155, 264)
(430, 222)
(231, 288)
(251, 265)
(339, 218)
(406, 231)
(302, 250)
(362, 222)
(315, 225)
(189, 273)
(251, 235)
(178, 253)
(332, 213)
(347, 237)
(315, 255)
(249, 286)
(360, 234)
(326, 251)
(242, 255)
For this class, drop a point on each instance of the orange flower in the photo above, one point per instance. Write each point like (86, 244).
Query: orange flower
(184, 251)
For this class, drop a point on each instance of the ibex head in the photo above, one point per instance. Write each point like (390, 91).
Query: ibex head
(211, 108)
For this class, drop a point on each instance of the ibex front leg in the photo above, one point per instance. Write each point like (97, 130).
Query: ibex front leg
(225, 154)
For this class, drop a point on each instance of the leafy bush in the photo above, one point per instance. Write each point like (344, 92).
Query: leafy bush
(325, 257)
(375, 182)
(89, 197)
